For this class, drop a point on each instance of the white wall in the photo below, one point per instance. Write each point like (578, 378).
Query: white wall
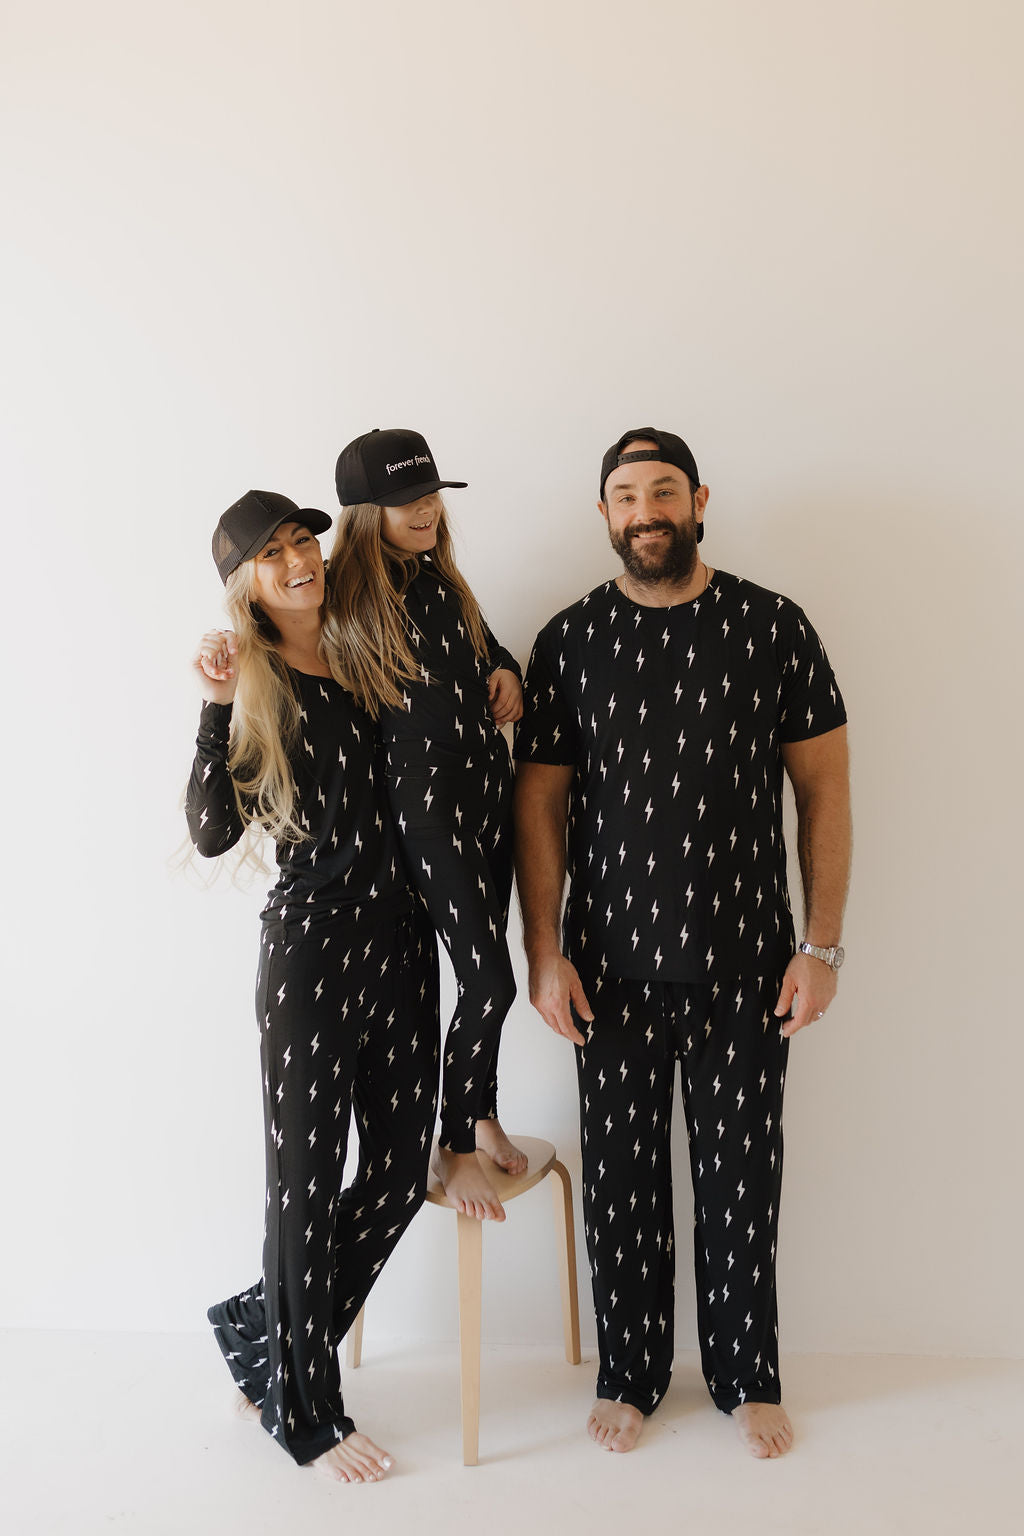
(235, 237)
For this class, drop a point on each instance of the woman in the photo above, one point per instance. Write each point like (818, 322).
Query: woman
(346, 991)
(406, 634)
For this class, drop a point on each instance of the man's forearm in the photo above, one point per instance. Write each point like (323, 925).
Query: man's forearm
(540, 823)
(824, 845)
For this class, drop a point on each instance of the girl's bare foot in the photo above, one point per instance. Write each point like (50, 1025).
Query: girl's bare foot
(353, 1460)
(245, 1407)
(614, 1426)
(764, 1428)
(465, 1183)
(493, 1143)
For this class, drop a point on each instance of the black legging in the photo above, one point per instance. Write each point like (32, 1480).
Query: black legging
(348, 1019)
(454, 822)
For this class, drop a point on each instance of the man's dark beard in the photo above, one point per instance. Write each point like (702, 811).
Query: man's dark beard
(674, 561)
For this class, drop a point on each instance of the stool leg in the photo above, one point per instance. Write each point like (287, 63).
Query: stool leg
(470, 1234)
(561, 1194)
(354, 1342)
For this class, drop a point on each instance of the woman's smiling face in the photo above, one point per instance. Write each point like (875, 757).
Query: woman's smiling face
(288, 572)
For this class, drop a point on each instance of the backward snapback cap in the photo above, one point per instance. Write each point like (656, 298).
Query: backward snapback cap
(389, 468)
(245, 527)
(670, 450)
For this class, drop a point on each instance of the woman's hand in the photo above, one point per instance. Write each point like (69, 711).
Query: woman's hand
(215, 666)
(505, 695)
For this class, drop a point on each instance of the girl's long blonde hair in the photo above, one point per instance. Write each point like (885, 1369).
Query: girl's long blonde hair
(366, 638)
(264, 720)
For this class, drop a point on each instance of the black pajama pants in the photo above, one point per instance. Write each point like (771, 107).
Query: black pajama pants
(454, 821)
(348, 1018)
(732, 1062)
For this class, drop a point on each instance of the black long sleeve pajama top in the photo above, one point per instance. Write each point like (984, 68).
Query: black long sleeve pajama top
(448, 780)
(346, 1003)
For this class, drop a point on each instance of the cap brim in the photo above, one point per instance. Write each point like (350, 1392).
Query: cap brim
(414, 492)
(307, 517)
(313, 519)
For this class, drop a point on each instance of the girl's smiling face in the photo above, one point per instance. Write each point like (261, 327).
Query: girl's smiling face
(412, 528)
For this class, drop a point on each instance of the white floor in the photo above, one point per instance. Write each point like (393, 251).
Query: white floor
(135, 1433)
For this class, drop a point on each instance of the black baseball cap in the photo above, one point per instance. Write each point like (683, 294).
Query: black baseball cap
(244, 528)
(390, 467)
(670, 450)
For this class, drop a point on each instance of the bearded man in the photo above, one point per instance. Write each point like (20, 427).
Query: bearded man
(662, 712)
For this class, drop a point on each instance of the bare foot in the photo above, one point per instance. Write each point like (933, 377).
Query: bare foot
(764, 1428)
(466, 1185)
(492, 1141)
(353, 1460)
(245, 1407)
(614, 1426)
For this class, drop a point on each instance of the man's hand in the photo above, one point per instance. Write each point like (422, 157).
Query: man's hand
(808, 987)
(215, 666)
(506, 696)
(554, 984)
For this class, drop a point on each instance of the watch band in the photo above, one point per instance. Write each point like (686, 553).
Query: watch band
(833, 956)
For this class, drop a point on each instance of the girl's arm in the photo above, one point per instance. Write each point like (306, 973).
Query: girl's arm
(505, 695)
(498, 657)
(505, 684)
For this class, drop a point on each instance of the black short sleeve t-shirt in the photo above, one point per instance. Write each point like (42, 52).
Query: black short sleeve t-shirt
(675, 719)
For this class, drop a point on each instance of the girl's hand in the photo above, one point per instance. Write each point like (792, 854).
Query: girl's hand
(506, 696)
(215, 666)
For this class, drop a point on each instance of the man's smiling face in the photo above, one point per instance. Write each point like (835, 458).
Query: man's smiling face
(653, 518)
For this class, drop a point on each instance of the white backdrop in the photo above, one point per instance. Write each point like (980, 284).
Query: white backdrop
(236, 237)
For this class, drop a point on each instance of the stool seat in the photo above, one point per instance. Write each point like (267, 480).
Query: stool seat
(506, 1186)
(542, 1161)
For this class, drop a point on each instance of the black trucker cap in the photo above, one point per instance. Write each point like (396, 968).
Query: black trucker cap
(670, 450)
(244, 528)
(390, 467)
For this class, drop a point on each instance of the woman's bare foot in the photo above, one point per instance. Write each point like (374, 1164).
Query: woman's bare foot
(614, 1426)
(245, 1407)
(493, 1143)
(764, 1428)
(353, 1460)
(466, 1185)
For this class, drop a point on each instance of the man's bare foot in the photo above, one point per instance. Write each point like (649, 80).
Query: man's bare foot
(492, 1141)
(245, 1407)
(353, 1460)
(764, 1428)
(466, 1185)
(614, 1426)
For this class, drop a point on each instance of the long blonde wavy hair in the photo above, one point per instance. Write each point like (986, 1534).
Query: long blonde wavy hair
(366, 638)
(264, 719)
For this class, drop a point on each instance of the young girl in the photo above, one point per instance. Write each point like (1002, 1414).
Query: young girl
(346, 992)
(406, 634)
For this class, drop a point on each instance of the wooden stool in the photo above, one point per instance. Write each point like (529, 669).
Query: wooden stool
(542, 1161)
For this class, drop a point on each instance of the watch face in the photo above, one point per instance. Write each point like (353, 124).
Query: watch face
(838, 957)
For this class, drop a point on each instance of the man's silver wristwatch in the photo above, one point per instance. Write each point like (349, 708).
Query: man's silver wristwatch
(834, 956)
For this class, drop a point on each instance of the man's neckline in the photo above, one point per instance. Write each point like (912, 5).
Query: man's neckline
(687, 602)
